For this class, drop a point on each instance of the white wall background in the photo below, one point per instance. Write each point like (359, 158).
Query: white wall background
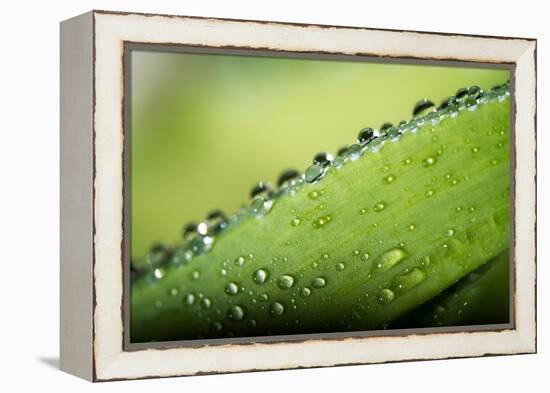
(29, 194)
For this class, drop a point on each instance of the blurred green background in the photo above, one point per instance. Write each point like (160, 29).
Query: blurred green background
(205, 128)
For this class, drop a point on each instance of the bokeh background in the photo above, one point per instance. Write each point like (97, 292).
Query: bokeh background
(206, 127)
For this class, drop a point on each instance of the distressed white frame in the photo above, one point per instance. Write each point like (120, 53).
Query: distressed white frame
(92, 230)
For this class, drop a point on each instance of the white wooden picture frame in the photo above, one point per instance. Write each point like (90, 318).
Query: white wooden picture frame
(92, 196)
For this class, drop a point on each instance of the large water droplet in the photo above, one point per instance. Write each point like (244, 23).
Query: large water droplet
(261, 189)
(305, 292)
(354, 152)
(385, 296)
(235, 313)
(340, 266)
(189, 299)
(158, 254)
(287, 176)
(189, 230)
(239, 261)
(206, 302)
(260, 206)
(232, 288)
(322, 159)
(365, 136)
(314, 173)
(318, 282)
(389, 259)
(422, 107)
(158, 273)
(409, 280)
(216, 221)
(393, 133)
(260, 276)
(286, 281)
(276, 309)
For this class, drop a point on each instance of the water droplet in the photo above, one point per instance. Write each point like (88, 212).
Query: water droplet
(409, 280)
(425, 261)
(195, 275)
(461, 93)
(232, 288)
(389, 179)
(189, 299)
(411, 227)
(287, 176)
(216, 221)
(286, 281)
(475, 150)
(295, 221)
(393, 133)
(318, 282)
(365, 257)
(429, 193)
(313, 173)
(407, 161)
(260, 206)
(263, 297)
(314, 194)
(260, 276)
(378, 207)
(239, 261)
(365, 136)
(158, 273)
(321, 221)
(173, 291)
(276, 309)
(340, 266)
(385, 296)
(355, 253)
(428, 162)
(389, 259)
(217, 326)
(422, 107)
(261, 189)
(475, 92)
(322, 159)
(305, 292)
(206, 302)
(235, 313)
(342, 151)
(363, 211)
(354, 152)
(385, 126)
(189, 230)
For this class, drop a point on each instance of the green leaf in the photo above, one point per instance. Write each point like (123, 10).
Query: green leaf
(373, 239)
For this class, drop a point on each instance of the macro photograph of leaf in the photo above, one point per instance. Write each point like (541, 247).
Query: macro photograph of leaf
(277, 195)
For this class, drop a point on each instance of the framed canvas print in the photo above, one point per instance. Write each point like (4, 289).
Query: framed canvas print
(245, 195)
